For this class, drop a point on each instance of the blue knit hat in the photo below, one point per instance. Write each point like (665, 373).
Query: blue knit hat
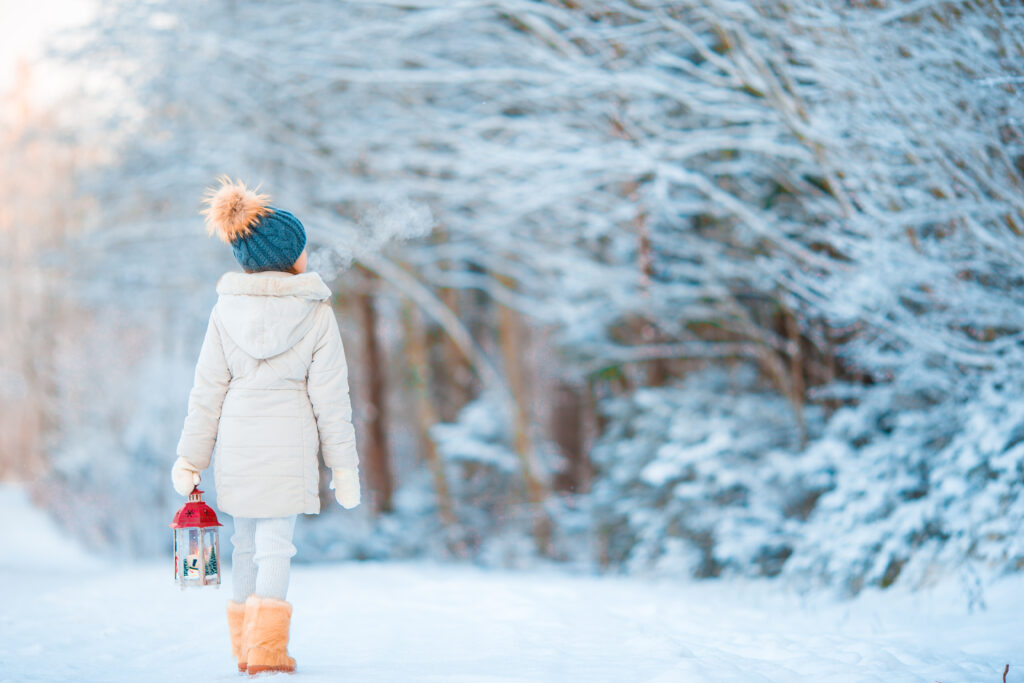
(262, 237)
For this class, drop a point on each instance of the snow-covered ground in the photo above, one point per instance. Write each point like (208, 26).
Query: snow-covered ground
(67, 617)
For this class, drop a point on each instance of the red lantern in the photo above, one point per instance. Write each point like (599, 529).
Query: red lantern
(196, 543)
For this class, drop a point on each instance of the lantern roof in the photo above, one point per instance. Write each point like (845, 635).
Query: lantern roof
(195, 513)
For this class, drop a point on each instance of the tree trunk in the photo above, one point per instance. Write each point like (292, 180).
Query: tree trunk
(458, 376)
(378, 459)
(510, 335)
(426, 415)
(567, 431)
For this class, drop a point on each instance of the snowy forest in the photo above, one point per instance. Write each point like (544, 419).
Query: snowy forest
(715, 288)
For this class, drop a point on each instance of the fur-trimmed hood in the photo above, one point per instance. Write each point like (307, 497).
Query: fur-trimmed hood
(266, 313)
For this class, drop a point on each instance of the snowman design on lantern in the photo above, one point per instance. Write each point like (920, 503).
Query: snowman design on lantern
(196, 543)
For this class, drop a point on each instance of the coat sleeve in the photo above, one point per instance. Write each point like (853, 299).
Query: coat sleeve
(327, 384)
(205, 400)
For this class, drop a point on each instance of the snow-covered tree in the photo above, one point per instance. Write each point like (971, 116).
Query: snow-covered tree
(811, 207)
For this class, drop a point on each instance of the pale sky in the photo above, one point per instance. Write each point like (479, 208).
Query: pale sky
(26, 26)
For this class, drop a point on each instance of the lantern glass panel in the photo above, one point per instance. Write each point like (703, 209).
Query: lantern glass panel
(211, 555)
(189, 557)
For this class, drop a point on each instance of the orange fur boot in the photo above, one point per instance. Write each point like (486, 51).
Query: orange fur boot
(236, 621)
(266, 635)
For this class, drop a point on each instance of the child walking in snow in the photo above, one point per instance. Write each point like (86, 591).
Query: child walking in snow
(271, 388)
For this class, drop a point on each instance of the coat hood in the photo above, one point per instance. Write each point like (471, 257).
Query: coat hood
(267, 313)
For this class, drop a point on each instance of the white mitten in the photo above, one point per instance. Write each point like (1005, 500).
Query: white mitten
(346, 486)
(185, 476)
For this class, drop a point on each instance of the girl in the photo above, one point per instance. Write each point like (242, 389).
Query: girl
(271, 387)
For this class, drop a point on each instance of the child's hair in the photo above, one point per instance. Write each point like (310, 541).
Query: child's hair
(261, 236)
(290, 269)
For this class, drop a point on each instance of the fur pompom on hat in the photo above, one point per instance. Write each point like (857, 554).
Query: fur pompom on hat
(261, 236)
(232, 209)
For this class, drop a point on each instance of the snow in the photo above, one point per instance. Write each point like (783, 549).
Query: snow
(31, 539)
(65, 619)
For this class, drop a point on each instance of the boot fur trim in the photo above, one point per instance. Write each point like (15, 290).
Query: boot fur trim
(267, 636)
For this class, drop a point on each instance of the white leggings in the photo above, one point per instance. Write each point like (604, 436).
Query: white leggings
(262, 556)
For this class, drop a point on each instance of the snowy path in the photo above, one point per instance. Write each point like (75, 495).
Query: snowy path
(428, 622)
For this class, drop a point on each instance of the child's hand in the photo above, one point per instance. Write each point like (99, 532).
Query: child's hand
(346, 487)
(184, 476)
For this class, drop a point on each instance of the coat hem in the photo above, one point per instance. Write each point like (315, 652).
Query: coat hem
(264, 514)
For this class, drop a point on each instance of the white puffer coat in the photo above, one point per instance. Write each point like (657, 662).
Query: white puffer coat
(271, 388)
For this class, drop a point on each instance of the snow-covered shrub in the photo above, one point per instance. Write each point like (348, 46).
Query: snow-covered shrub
(483, 473)
(926, 483)
(410, 529)
(703, 478)
(710, 478)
